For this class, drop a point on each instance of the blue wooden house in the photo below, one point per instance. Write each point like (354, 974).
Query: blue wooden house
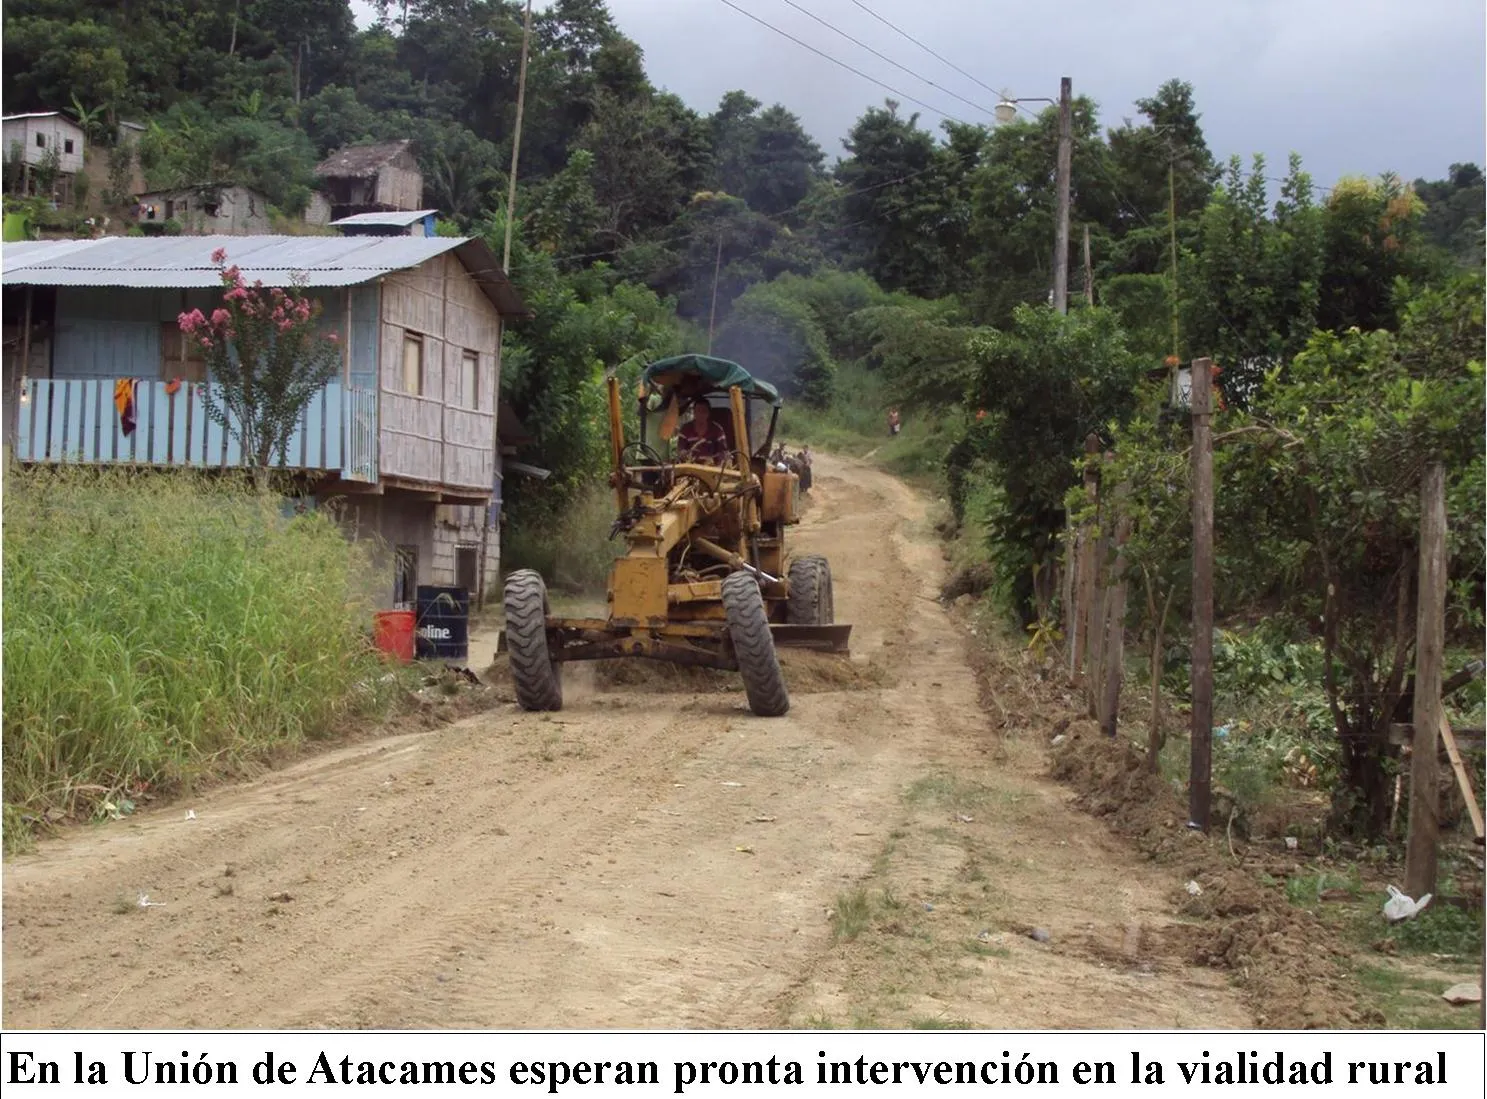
(406, 434)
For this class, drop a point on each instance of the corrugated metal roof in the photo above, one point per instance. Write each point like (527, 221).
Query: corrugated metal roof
(36, 114)
(399, 218)
(185, 262)
(357, 161)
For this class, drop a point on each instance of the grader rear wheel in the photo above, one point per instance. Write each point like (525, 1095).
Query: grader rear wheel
(538, 678)
(753, 646)
(810, 601)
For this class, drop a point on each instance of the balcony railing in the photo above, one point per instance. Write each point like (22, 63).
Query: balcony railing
(75, 420)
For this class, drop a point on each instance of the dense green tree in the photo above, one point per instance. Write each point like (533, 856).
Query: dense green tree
(767, 158)
(1013, 209)
(1044, 382)
(1454, 210)
(1373, 237)
(1251, 290)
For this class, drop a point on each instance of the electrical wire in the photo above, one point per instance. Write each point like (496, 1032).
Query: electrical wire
(926, 49)
(917, 76)
(842, 64)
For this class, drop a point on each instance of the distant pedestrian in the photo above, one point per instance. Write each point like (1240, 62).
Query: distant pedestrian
(895, 422)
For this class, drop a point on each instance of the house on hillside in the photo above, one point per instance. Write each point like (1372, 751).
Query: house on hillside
(33, 141)
(364, 179)
(393, 223)
(228, 209)
(405, 438)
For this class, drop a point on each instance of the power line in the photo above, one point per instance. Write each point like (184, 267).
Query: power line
(844, 65)
(885, 57)
(926, 49)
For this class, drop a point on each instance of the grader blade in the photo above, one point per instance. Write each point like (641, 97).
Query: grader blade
(828, 639)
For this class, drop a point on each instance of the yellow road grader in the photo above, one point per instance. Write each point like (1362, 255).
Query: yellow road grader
(705, 578)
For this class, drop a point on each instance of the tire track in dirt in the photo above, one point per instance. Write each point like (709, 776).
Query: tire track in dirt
(636, 860)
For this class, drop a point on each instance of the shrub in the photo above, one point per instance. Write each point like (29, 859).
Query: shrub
(162, 627)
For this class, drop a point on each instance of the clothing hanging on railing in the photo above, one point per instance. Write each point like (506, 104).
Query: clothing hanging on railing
(125, 392)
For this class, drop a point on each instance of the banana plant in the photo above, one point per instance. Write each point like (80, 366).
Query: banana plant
(88, 119)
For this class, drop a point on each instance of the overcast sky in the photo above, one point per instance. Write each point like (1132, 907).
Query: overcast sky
(1354, 86)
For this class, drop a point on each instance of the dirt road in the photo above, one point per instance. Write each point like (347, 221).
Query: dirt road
(875, 858)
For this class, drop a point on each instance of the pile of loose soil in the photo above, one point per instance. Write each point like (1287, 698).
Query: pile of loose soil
(1284, 957)
(447, 695)
(1112, 781)
(806, 672)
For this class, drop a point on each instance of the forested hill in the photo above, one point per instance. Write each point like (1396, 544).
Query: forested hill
(633, 205)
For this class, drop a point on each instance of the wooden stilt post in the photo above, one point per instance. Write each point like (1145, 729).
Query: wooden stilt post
(1200, 766)
(1420, 852)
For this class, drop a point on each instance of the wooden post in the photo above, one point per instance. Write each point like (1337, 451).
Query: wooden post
(1115, 625)
(1094, 682)
(1201, 761)
(1066, 590)
(1089, 272)
(1420, 853)
(1085, 575)
(345, 343)
(1061, 234)
(22, 373)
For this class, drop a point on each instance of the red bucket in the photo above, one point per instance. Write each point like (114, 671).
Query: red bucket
(392, 633)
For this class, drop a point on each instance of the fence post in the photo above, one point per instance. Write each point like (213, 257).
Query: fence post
(1066, 591)
(1420, 853)
(1085, 574)
(1200, 764)
(1115, 624)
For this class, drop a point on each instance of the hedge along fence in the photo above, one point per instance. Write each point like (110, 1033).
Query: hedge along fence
(160, 628)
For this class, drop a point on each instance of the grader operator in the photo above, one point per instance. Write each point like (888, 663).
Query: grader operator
(705, 578)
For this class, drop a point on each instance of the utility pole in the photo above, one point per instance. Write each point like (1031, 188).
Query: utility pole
(1420, 859)
(1172, 231)
(713, 312)
(1200, 764)
(1089, 272)
(1065, 156)
(521, 102)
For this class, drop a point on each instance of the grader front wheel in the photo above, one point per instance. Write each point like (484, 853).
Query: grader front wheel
(538, 679)
(753, 646)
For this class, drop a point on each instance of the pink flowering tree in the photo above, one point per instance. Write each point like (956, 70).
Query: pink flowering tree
(266, 360)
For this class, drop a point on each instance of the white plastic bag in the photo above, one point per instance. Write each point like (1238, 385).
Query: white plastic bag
(1400, 907)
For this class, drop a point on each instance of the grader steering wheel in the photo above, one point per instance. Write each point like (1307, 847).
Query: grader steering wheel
(650, 478)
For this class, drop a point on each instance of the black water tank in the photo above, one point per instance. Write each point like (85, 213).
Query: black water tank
(442, 623)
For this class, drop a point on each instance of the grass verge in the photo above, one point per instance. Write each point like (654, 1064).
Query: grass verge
(856, 425)
(163, 629)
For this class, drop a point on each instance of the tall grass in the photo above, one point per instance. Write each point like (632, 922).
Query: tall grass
(160, 628)
(571, 549)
